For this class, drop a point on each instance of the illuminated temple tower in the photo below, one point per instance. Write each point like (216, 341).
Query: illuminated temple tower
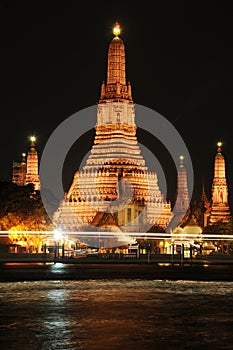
(220, 210)
(182, 201)
(181, 209)
(115, 163)
(32, 175)
(26, 171)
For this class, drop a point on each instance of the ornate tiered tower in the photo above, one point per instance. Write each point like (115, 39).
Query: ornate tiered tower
(220, 210)
(115, 178)
(32, 175)
(181, 209)
(182, 200)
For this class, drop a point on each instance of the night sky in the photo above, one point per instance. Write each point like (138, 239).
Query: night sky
(179, 62)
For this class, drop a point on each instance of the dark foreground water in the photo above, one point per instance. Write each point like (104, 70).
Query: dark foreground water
(116, 314)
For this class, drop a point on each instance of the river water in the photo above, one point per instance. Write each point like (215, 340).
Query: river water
(116, 314)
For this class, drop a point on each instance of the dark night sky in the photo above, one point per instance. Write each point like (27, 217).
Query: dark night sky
(179, 62)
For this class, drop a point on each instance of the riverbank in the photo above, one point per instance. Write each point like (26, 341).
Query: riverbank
(220, 259)
(10, 272)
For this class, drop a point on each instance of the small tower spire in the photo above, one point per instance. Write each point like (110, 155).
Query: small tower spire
(32, 175)
(181, 209)
(220, 210)
(23, 158)
(116, 88)
(116, 59)
(33, 141)
(116, 29)
(219, 145)
(181, 161)
(182, 202)
(203, 193)
(204, 205)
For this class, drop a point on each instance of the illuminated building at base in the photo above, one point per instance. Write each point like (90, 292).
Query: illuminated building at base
(115, 170)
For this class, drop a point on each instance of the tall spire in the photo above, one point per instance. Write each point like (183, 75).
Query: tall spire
(182, 208)
(32, 165)
(219, 207)
(23, 158)
(182, 201)
(33, 141)
(204, 198)
(116, 88)
(116, 59)
(203, 206)
(115, 171)
(219, 164)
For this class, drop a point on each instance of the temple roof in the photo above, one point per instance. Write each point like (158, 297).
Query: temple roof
(105, 219)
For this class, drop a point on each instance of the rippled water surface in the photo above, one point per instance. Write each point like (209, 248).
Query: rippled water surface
(116, 314)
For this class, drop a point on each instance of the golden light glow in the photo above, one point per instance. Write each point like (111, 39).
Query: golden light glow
(116, 29)
(219, 144)
(32, 138)
(181, 157)
(24, 154)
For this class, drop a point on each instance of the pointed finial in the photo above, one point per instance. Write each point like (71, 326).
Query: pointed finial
(33, 140)
(219, 144)
(181, 160)
(116, 29)
(203, 184)
(23, 160)
(203, 194)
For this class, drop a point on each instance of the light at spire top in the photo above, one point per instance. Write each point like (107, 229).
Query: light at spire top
(219, 144)
(32, 138)
(181, 160)
(116, 29)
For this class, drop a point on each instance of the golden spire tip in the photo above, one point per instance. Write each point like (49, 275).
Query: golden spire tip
(33, 140)
(219, 144)
(116, 29)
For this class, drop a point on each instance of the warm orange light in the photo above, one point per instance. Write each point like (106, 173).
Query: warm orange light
(219, 144)
(117, 29)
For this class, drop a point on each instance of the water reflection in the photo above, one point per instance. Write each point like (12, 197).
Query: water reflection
(58, 267)
(56, 332)
(115, 314)
(57, 295)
